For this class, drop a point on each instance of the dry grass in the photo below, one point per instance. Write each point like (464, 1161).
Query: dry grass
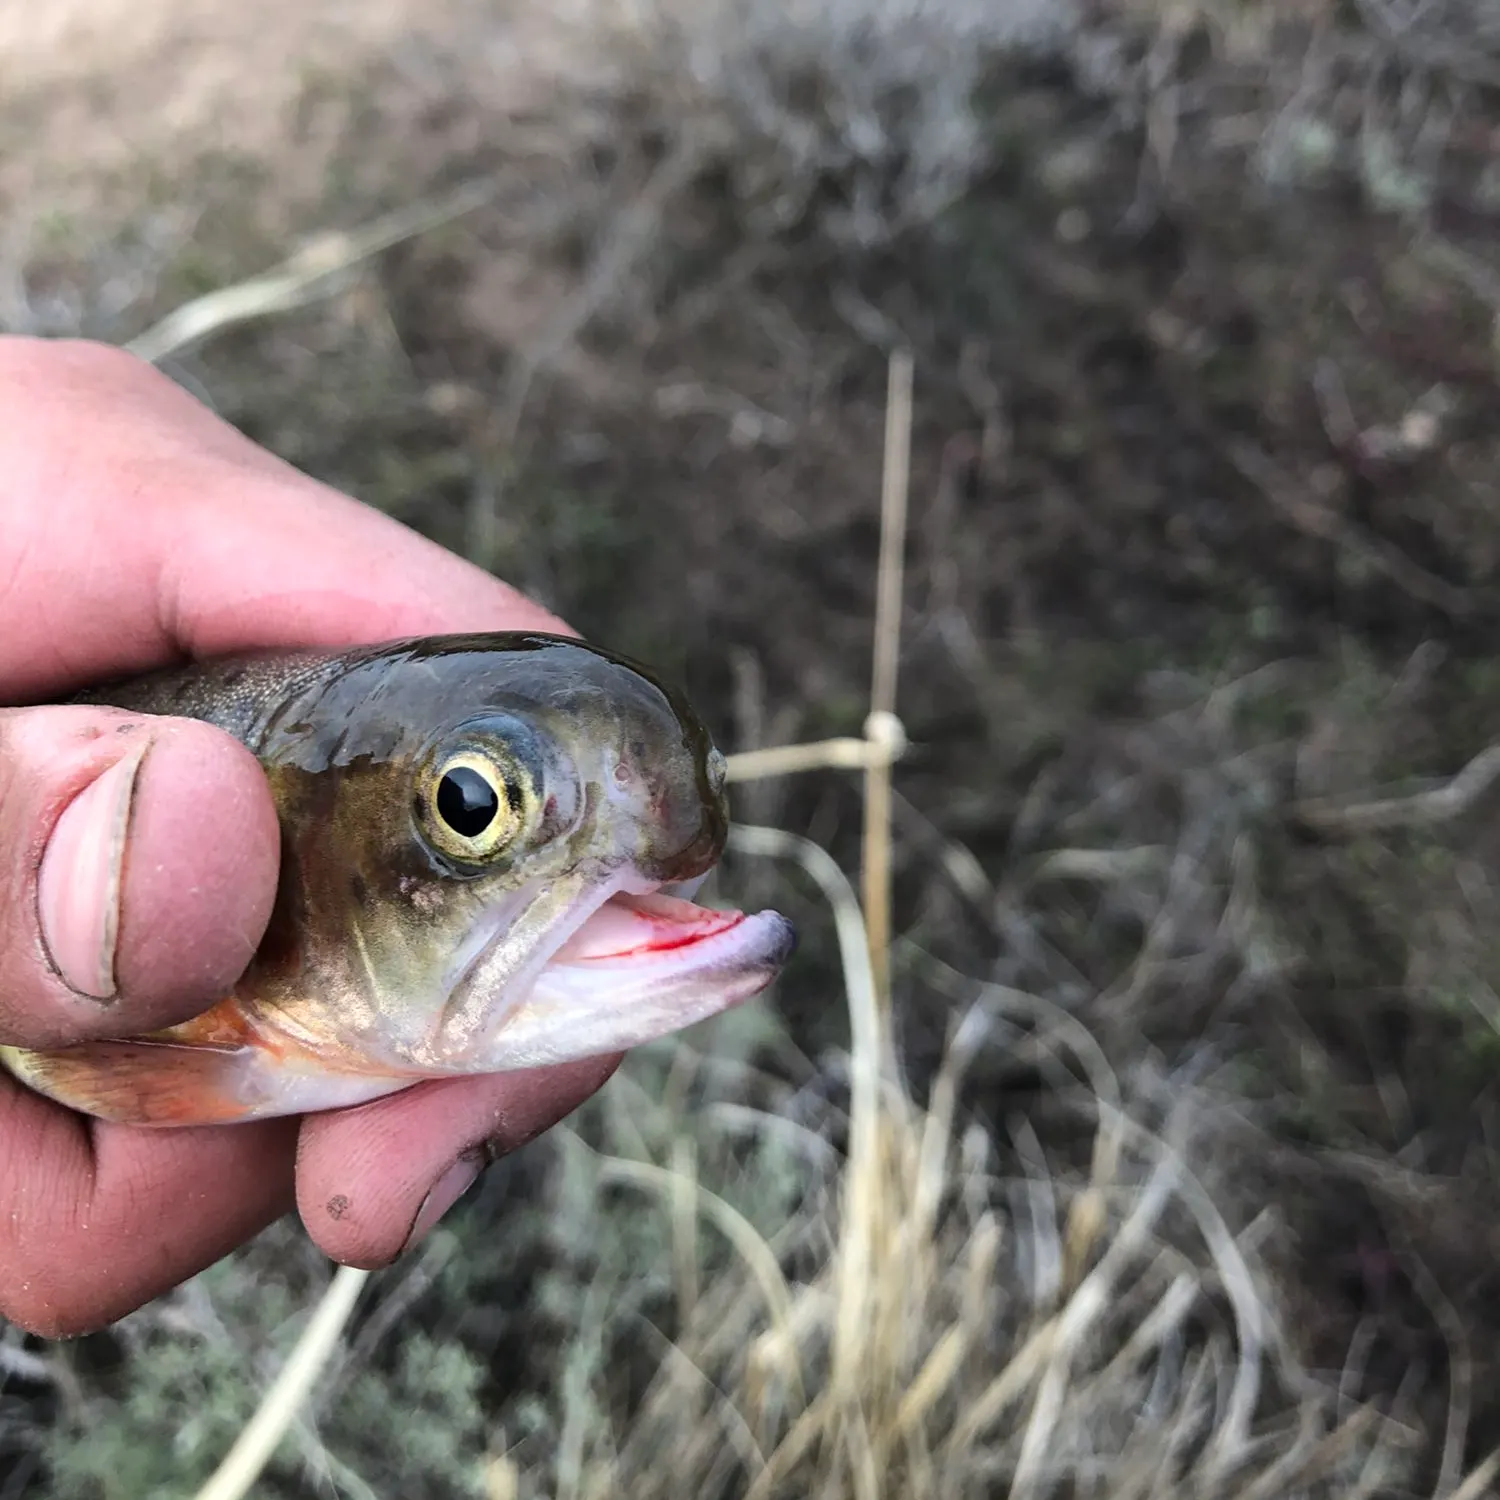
(942, 1345)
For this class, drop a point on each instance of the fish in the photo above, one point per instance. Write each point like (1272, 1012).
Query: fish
(488, 847)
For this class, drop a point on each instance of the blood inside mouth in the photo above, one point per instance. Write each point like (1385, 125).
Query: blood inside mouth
(637, 926)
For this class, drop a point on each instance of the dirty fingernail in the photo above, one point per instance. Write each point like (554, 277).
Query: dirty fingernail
(445, 1192)
(79, 883)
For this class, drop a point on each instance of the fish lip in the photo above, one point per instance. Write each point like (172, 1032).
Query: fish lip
(615, 998)
(675, 934)
(694, 961)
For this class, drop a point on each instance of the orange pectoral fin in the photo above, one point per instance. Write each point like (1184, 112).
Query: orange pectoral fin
(144, 1082)
(213, 1070)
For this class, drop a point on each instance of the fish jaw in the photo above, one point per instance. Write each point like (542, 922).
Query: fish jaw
(639, 968)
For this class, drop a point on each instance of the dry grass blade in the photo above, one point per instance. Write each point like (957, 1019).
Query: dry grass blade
(862, 1188)
(1081, 1314)
(756, 1254)
(317, 270)
(243, 1463)
(1422, 809)
(1477, 1485)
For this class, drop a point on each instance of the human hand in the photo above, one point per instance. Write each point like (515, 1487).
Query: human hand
(137, 529)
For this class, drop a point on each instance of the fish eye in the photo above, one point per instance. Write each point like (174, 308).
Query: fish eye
(472, 806)
(467, 801)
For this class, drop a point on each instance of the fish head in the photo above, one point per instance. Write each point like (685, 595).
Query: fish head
(481, 837)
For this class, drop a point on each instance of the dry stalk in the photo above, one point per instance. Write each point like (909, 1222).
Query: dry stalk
(1477, 1484)
(881, 726)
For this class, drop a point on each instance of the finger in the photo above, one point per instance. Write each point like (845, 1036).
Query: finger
(167, 533)
(373, 1179)
(102, 1218)
(141, 866)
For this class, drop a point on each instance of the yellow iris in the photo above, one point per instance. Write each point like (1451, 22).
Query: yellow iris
(474, 804)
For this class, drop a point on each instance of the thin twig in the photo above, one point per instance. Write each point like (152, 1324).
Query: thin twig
(630, 238)
(1436, 805)
(1450, 1323)
(847, 753)
(1476, 276)
(1316, 519)
(1470, 63)
(319, 269)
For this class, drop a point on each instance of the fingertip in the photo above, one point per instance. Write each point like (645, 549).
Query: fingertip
(144, 870)
(372, 1180)
(200, 870)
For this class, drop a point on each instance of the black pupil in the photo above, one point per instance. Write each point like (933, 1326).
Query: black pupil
(466, 802)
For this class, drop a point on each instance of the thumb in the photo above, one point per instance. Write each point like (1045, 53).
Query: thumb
(138, 865)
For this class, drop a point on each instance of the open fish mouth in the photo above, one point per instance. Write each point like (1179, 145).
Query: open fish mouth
(633, 929)
(637, 968)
